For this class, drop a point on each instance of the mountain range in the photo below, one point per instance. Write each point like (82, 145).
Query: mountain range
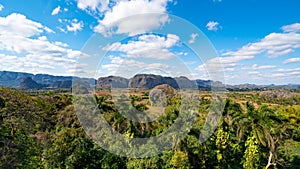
(27, 81)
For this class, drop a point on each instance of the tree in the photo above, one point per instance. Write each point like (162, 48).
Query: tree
(2, 103)
(256, 125)
(228, 150)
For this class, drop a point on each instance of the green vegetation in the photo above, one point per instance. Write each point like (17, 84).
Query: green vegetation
(257, 130)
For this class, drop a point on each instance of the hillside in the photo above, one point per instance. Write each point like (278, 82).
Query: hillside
(28, 83)
(147, 81)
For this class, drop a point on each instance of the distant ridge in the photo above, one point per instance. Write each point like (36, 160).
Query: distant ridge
(14, 79)
(28, 81)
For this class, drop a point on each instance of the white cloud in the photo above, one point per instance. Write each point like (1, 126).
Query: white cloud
(33, 52)
(1, 7)
(291, 60)
(288, 70)
(230, 61)
(127, 8)
(256, 73)
(190, 63)
(212, 26)
(61, 29)
(217, 66)
(147, 46)
(75, 26)
(139, 24)
(67, 25)
(193, 38)
(288, 73)
(278, 75)
(18, 25)
(274, 45)
(129, 67)
(214, 69)
(256, 67)
(93, 5)
(56, 11)
(291, 28)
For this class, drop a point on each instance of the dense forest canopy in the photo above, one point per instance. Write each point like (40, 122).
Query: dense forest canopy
(257, 130)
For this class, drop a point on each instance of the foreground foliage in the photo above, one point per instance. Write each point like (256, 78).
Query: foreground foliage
(42, 131)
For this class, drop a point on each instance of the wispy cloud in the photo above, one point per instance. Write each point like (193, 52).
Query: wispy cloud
(56, 11)
(128, 67)
(1, 7)
(294, 72)
(291, 28)
(93, 5)
(291, 60)
(193, 38)
(256, 67)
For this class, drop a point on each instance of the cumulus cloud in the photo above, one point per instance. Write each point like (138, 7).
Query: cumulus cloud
(147, 46)
(138, 24)
(75, 26)
(125, 8)
(33, 52)
(291, 28)
(56, 11)
(291, 60)
(213, 26)
(193, 38)
(18, 25)
(274, 45)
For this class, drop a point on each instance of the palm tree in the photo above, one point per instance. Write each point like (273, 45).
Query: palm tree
(257, 124)
(224, 142)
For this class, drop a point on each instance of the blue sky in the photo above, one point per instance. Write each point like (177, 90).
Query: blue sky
(255, 41)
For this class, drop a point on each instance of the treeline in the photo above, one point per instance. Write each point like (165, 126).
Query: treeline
(42, 131)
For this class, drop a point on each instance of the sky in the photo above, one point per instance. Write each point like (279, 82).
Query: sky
(233, 41)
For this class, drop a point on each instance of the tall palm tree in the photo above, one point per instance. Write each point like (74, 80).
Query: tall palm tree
(258, 124)
(226, 152)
